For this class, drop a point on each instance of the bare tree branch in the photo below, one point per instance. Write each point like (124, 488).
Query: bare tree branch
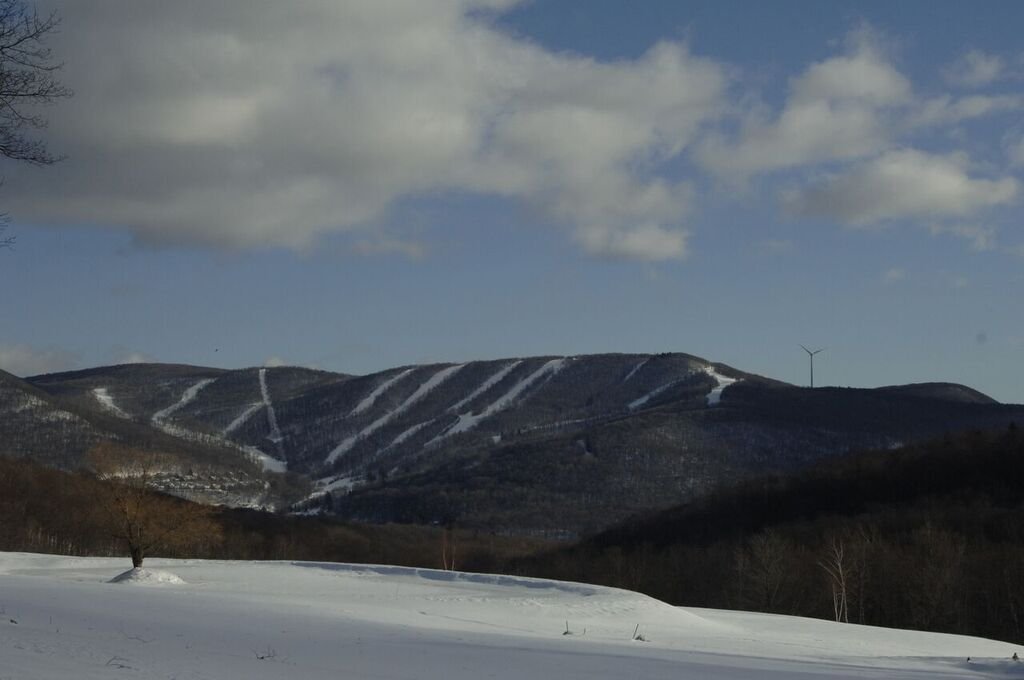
(27, 80)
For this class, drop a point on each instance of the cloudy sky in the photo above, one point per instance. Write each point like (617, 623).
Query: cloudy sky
(356, 185)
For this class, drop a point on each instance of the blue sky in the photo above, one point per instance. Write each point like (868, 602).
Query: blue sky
(356, 186)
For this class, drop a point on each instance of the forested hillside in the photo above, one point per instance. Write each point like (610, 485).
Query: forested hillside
(928, 537)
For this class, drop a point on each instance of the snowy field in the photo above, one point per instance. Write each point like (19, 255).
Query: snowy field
(60, 619)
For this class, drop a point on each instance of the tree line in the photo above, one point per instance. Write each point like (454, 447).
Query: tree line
(109, 509)
(930, 537)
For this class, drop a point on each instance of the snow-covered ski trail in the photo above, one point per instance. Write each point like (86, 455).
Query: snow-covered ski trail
(468, 421)
(405, 435)
(242, 418)
(715, 395)
(635, 370)
(379, 390)
(269, 463)
(107, 402)
(190, 394)
(637, 403)
(275, 431)
(421, 391)
(486, 385)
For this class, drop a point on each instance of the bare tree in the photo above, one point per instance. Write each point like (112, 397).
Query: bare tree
(763, 565)
(142, 519)
(448, 546)
(28, 83)
(27, 80)
(837, 567)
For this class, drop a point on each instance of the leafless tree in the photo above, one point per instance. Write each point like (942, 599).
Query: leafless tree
(448, 546)
(142, 519)
(837, 567)
(28, 83)
(28, 80)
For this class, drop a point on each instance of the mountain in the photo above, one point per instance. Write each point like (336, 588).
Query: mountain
(554, 444)
(57, 427)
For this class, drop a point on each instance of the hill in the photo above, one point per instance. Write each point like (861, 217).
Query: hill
(558, 445)
(928, 537)
(228, 620)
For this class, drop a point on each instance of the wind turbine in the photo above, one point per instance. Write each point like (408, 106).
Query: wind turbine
(810, 355)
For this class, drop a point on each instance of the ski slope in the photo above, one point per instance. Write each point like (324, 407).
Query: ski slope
(637, 403)
(422, 391)
(369, 399)
(275, 431)
(107, 402)
(714, 397)
(468, 421)
(62, 620)
(242, 418)
(159, 418)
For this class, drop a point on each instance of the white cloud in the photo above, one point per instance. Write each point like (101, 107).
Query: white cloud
(261, 123)
(275, 362)
(945, 110)
(981, 237)
(894, 275)
(902, 184)
(649, 242)
(975, 69)
(836, 110)
(23, 360)
(1013, 144)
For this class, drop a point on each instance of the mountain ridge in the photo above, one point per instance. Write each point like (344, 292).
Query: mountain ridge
(450, 441)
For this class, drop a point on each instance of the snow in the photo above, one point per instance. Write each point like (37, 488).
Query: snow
(468, 421)
(715, 395)
(422, 391)
(275, 432)
(269, 463)
(486, 385)
(637, 403)
(406, 434)
(343, 484)
(272, 620)
(379, 390)
(147, 577)
(271, 417)
(242, 418)
(191, 393)
(635, 370)
(107, 402)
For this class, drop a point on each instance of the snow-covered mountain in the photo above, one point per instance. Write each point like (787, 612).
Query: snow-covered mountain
(62, 619)
(552, 443)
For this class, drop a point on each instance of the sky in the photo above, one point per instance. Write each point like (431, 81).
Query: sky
(355, 186)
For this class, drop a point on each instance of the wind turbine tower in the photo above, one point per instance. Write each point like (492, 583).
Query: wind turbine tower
(810, 355)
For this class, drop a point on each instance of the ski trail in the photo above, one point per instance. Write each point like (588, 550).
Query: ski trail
(242, 418)
(635, 369)
(107, 402)
(637, 403)
(160, 416)
(275, 432)
(715, 395)
(420, 392)
(269, 463)
(379, 390)
(468, 421)
(487, 384)
(405, 435)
